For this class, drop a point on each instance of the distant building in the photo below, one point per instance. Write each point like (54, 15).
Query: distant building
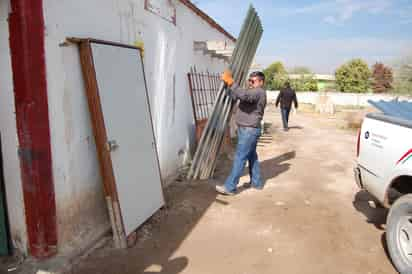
(325, 81)
(255, 67)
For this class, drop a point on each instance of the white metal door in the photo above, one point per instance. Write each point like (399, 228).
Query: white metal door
(125, 107)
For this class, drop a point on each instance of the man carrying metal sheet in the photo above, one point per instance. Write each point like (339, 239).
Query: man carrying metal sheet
(248, 119)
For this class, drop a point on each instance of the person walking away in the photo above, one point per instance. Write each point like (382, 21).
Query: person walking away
(285, 98)
(248, 119)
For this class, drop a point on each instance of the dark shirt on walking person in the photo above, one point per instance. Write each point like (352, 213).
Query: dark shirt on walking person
(286, 97)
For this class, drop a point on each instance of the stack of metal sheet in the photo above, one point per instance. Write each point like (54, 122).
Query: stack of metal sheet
(204, 161)
(395, 108)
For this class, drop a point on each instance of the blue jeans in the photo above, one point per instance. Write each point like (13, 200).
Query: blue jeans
(285, 117)
(245, 151)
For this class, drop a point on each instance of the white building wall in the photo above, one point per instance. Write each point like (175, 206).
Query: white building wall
(11, 163)
(168, 56)
(339, 98)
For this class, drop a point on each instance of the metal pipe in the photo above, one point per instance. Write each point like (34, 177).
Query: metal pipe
(214, 85)
(254, 49)
(218, 120)
(209, 89)
(241, 43)
(196, 91)
(220, 131)
(221, 125)
(226, 113)
(209, 135)
(247, 20)
(204, 95)
(201, 95)
(208, 131)
(189, 76)
(201, 144)
(206, 172)
(213, 163)
(219, 139)
(211, 142)
(205, 135)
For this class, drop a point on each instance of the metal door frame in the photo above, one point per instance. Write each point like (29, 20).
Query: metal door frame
(100, 132)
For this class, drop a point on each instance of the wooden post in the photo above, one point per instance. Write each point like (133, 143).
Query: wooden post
(26, 25)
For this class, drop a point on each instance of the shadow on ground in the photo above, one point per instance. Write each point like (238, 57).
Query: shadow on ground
(376, 216)
(273, 128)
(296, 127)
(272, 168)
(159, 237)
(162, 235)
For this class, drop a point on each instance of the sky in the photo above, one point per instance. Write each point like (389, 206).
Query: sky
(322, 34)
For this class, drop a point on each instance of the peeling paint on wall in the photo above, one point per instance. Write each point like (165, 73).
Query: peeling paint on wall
(168, 57)
(165, 9)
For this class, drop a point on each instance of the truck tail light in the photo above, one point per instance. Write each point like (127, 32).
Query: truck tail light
(358, 143)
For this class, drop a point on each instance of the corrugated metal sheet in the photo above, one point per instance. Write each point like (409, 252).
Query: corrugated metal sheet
(395, 108)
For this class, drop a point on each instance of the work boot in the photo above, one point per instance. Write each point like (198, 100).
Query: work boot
(222, 190)
(249, 185)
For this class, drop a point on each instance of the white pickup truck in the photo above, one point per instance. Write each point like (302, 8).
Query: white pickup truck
(384, 169)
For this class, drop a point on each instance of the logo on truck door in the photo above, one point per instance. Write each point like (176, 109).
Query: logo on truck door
(377, 140)
(405, 157)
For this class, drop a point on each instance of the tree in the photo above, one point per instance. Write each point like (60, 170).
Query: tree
(300, 70)
(403, 75)
(279, 81)
(353, 76)
(306, 82)
(275, 75)
(296, 84)
(311, 85)
(382, 78)
(276, 67)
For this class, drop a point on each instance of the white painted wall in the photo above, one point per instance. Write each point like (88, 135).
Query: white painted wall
(11, 163)
(342, 99)
(168, 56)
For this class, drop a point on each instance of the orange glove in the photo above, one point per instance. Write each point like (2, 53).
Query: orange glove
(227, 77)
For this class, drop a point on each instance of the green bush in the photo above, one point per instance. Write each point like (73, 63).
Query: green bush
(275, 75)
(305, 83)
(403, 76)
(353, 77)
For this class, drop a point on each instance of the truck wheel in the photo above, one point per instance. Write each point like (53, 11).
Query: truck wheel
(399, 234)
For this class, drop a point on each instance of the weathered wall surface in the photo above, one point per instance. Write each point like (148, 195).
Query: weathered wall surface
(8, 132)
(168, 55)
(340, 99)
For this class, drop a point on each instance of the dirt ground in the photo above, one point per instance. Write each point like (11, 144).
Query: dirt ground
(310, 217)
